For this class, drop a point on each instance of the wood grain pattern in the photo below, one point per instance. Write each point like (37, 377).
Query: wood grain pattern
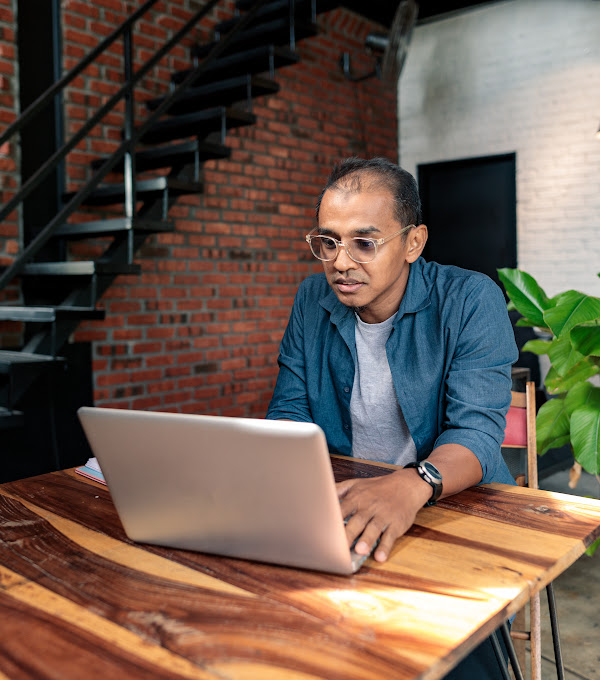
(545, 511)
(29, 608)
(76, 594)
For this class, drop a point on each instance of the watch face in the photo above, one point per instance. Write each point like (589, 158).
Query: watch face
(432, 471)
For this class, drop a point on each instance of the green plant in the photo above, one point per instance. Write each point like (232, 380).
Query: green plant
(571, 321)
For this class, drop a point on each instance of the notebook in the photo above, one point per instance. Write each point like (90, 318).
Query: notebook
(241, 487)
(91, 470)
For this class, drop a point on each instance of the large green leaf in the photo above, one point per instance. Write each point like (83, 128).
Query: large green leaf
(552, 425)
(522, 321)
(583, 394)
(526, 295)
(563, 356)
(574, 308)
(559, 296)
(595, 545)
(586, 339)
(585, 438)
(537, 346)
(557, 384)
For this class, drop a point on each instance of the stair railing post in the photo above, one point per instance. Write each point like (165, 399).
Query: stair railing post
(292, 25)
(129, 158)
(59, 123)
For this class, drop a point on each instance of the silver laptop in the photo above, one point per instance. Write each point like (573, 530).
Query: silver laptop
(255, 489)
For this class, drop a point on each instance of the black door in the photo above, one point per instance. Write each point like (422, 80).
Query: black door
(469, 207)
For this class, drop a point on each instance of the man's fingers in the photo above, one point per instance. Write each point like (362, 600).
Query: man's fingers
(342, 488)
(369, 537)
(354, 526)
(378, 509)
(388, 538)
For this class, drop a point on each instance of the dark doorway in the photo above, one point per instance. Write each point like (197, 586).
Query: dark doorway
(469, 207)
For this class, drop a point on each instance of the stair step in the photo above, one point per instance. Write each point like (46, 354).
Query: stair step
(277, 9)
(200, 123)
(112, 227)
(49, 314)
(230, 91)
(21, 371)
(256, 60)
(87, 268)
(321, 5)
(109, 194)
(271, 10)
(175, 154)
(11, 361)
(11, 419)
(276, 32)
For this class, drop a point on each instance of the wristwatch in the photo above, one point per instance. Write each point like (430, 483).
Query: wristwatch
(429, 473)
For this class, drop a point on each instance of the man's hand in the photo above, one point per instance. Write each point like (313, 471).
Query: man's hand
(386, 506)
(383, 507)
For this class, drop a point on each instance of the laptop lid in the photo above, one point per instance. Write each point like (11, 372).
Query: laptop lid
(255, 489)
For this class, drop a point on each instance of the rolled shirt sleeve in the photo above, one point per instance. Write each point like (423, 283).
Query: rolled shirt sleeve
(478, 383)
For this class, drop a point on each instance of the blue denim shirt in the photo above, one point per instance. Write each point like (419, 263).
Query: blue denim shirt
(450, 353)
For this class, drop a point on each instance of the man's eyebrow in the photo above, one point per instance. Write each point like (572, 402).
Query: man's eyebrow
(362, 231)
(368, 230)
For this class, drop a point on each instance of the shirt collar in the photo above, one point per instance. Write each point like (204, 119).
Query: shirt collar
(417, 293)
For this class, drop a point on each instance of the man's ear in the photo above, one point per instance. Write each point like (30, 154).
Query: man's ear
(416, 240)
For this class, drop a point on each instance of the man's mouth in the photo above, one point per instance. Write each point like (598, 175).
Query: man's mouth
(348, 285)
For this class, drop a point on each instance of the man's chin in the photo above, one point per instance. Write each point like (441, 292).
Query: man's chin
(351, 304)
(347, 300)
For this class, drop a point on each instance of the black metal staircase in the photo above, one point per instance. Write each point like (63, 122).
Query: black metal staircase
(184, 128)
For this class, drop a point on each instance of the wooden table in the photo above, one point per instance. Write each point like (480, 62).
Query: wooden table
(79, 600)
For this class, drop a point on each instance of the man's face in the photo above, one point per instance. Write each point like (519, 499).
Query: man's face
(374, 288)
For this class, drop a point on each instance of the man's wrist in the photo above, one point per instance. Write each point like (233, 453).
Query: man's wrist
(431, 476)
(411, 490)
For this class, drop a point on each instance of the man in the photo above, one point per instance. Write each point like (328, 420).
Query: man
(397, 359)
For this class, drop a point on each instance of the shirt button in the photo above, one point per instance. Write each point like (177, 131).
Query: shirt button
(346, 426)
(346, 389)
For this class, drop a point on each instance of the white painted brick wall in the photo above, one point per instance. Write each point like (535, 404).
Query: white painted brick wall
(522, 76)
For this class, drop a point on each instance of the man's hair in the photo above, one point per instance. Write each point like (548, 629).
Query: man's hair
(360, 174)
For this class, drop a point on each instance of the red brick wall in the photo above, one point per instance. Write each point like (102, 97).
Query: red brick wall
(10, 332)
(199, 330)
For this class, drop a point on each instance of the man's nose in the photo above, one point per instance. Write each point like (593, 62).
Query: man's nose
(343, 261)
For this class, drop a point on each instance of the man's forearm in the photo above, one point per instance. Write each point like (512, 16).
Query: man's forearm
(459, 467)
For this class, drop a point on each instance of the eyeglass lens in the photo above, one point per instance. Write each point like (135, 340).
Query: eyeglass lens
(359, 249)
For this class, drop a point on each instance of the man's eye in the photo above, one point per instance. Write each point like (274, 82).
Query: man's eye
(364, 244)
(328, 243)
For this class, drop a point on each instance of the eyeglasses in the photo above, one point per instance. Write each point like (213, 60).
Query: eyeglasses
(359, 249)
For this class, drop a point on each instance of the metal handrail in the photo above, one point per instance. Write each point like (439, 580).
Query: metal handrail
(127, 147)
(44, 99)
(61, 153)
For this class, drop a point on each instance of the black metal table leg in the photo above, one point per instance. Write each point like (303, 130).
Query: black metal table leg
(510, 648)
(560, 669)
(499, 656)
